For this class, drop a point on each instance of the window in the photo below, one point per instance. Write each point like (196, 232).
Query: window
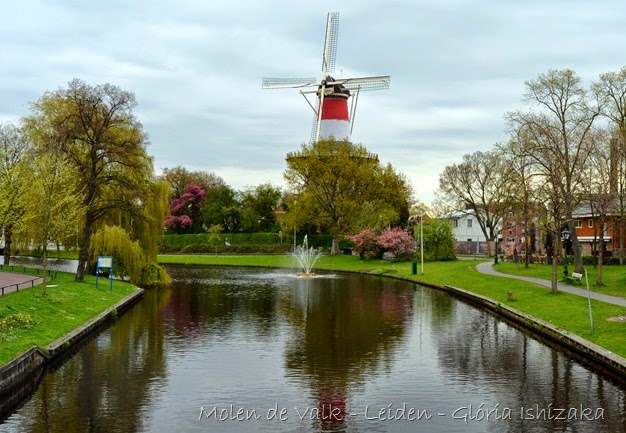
(578, 223)
(590, 222)
(469, 240)
(469, 223)
(510, 232)
(456, 223)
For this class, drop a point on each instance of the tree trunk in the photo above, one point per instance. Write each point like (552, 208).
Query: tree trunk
(44, 269)
(8, 232)
(621, 240)
(555, 263)
(335, 248)
(83, 252)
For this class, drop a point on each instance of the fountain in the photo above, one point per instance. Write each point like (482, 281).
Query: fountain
(306, 257)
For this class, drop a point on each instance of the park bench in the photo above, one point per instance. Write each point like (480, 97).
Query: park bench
(575, 278)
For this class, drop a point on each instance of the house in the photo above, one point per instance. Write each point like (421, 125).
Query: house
(469, 237)
(588, 231)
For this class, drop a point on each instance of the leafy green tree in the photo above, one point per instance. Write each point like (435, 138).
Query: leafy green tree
(258, 208)
(95, 129)
(214, 236)
(129, 258)
(13, 144)
(336, 178)
(222, 208)
(439, 242)
(52, 207)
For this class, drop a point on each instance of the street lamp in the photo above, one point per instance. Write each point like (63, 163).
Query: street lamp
(295, 220)
(422, 240)
(565, 238)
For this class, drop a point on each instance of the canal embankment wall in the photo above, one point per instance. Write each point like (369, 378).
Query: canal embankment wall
(32, 362)
(584, 349)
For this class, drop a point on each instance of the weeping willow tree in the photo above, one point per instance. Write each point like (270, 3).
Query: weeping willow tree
(148, 229)
(129, 258)
(132, 239)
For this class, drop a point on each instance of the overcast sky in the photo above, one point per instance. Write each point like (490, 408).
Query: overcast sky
(196, 66)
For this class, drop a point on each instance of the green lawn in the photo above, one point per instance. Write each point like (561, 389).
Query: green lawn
(613, 277)
(568, 312)
(29, 318)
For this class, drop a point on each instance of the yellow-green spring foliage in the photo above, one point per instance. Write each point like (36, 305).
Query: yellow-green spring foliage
(129, 259)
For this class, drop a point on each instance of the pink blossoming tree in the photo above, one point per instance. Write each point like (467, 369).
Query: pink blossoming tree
(397, 241)
(371, 243)
(185, 211)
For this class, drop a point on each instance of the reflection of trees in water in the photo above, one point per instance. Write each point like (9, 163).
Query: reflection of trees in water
(91, 393)
(219, 300)
(475, 345)
(341, 329)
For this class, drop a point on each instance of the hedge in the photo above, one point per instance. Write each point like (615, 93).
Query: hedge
(170, 242)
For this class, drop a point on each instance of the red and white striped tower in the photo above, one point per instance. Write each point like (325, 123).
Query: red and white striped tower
(335, 118)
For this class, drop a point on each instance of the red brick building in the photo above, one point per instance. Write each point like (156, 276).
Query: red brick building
(588, 231)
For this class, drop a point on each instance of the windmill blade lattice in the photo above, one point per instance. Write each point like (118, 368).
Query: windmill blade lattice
(329, 56)
(287, 83)
(367, 83)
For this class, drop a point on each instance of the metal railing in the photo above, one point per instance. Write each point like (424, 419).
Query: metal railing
(17, 285)
(24, 270)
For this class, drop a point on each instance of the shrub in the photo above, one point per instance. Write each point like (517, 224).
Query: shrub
(590, 260)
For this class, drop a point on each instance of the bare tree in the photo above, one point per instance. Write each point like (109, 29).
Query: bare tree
(610, 91)
(558, 141)
(598, 190)
(482, 183)
(524, 200)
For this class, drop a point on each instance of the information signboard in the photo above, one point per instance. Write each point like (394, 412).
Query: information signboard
(105, 262)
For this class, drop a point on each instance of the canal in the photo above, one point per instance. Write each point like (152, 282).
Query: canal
(257, 350)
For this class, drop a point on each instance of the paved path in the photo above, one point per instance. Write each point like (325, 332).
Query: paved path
(487, 268)
(10, 281)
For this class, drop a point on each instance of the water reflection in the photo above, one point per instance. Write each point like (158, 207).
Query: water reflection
(62, 265)
(335, 352)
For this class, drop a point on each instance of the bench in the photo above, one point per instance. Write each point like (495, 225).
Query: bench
(575, 278)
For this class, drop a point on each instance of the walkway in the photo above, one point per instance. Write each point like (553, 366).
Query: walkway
(10, 282)
(487, 268)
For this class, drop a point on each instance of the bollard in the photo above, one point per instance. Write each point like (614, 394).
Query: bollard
(414, 268)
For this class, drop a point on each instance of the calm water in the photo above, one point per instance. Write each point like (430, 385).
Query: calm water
(338, 353)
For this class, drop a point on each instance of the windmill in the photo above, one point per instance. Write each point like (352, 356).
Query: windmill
(331, 115)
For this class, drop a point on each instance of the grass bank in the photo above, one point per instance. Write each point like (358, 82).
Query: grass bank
(565, 311)
(28, 318)
(613, 276)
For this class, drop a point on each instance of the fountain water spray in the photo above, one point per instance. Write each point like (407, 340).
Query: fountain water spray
(307, 258)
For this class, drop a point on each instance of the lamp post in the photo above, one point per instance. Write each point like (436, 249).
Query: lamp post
(422, 241)
(295, 219)
(565, 238)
